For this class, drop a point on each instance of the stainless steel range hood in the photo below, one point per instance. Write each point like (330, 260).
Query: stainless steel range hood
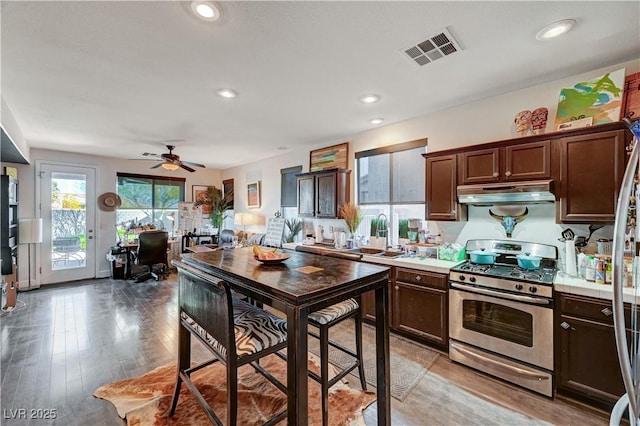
(527, 192)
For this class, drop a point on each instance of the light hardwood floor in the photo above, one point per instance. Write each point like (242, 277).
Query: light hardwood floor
(68, 340)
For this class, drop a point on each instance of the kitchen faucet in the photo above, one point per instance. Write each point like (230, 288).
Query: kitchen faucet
(386, 229)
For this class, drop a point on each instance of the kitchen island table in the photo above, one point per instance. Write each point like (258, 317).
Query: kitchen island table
(302, 284)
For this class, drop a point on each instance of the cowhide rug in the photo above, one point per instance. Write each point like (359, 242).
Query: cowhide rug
(145, 400)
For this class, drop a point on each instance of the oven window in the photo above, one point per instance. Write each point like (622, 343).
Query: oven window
(502, 322)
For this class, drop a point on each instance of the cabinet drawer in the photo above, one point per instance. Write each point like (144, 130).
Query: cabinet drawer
(593, 309)
(427, 279)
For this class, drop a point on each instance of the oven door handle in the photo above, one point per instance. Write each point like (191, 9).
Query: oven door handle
(522, 372)
(516, 297)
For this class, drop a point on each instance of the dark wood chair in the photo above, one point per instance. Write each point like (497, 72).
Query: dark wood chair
(236, 332)
(324, 319)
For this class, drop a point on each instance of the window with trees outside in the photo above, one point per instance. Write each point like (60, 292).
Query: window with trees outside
(148, 200)
(390, 185)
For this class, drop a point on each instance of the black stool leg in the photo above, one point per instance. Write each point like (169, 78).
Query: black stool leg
(184, 362)
(358, 325)
(324, 372)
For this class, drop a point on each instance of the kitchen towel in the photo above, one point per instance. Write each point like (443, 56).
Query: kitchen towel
(570, 258)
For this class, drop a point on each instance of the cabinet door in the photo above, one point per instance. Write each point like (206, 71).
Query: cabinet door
(420, 305)
(306, 196)
(420, 311)
(587, 362)
(591, 170)
(479, 166)
(441, 188)
(527, 161)
(326, 195)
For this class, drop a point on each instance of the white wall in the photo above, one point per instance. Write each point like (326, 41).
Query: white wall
(106, 169)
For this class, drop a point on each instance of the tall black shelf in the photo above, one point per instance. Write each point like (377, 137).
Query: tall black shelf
(8, 223)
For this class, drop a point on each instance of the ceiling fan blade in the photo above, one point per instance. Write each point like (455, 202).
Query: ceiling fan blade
(149, 154)
(187, 168)
(194, 164)
(145, 159)
(156, 166)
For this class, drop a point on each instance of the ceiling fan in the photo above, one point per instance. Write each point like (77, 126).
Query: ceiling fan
(170, 161)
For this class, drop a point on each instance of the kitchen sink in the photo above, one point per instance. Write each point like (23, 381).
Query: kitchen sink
(367, 250)
(391, 254)
(377, 252)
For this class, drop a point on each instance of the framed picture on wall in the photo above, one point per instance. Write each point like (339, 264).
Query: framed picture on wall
(331, 157)
(199, 193)
(253, 194)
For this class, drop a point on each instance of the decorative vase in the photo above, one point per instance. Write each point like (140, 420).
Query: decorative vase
(523, 122)
(539, 120)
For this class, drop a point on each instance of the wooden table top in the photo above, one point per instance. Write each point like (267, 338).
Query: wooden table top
(300, 278)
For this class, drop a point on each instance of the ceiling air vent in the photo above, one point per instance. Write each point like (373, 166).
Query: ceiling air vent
(433, 48)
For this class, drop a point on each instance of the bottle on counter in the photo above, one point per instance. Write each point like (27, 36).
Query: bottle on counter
(582, 265)
(608, 270)
(590, 269)
(600, 268)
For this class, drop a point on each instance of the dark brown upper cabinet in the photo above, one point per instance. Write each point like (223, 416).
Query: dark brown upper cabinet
(321, 194)
(521, 161)
(441, 184)
(591, 167)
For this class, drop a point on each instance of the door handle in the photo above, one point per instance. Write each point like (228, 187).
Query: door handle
(565, 325)
(507, 173)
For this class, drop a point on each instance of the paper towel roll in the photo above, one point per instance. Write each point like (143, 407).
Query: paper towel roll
(570, 258)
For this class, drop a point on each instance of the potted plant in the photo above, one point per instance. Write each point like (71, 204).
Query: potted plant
(294, 226)
(219, 205)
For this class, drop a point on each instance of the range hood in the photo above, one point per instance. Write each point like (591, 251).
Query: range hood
(528, 192)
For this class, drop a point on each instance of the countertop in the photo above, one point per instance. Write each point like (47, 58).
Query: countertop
(573, 285)
(563, 283)
(419, 263)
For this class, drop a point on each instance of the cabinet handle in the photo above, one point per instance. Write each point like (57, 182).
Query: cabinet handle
(418, 278)
(507, 173)
(397, 288)
(607, 312)
(496, 174)
(565, 325)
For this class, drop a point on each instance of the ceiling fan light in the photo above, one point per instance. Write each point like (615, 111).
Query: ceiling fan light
(170, 167)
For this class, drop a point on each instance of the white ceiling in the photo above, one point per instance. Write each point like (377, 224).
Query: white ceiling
(121, 78)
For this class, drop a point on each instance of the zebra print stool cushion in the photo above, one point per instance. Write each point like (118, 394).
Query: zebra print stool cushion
(255, 329)
(326, 315)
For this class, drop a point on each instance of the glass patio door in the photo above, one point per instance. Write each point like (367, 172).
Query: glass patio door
(67, 207)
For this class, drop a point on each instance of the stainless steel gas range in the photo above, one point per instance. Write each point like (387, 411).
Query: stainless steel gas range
(501, 316)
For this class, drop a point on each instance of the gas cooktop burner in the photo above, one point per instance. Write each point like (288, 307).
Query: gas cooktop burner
(507, 271)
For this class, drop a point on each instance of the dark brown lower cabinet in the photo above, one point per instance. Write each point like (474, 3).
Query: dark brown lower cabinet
(418, 303)
(586, 357)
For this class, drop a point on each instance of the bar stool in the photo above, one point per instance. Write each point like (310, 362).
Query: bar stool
(236, 332)
(324, 319)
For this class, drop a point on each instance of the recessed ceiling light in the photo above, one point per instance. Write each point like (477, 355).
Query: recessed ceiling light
(555, 29)
(205, 10)
(227, 93)
(369, 99)
(376, 120)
